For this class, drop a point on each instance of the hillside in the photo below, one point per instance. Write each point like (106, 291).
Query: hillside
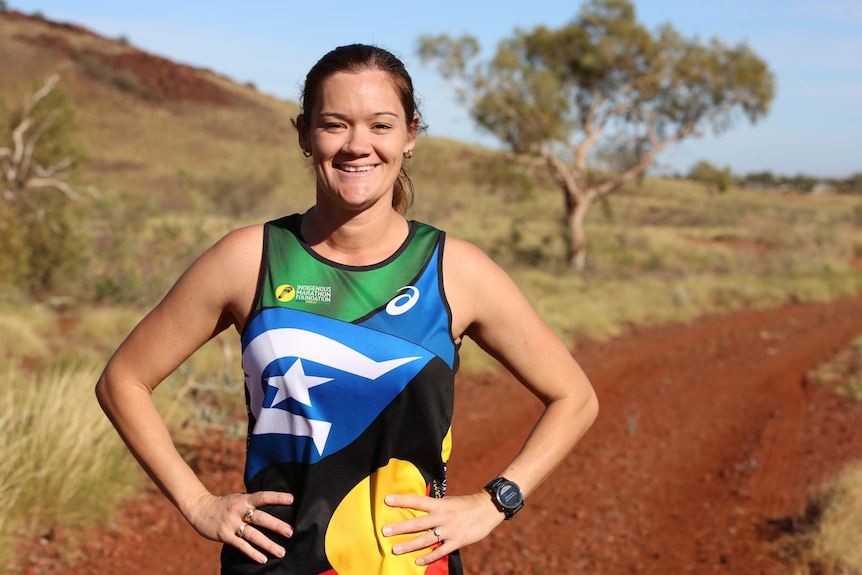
(151, 124)
(144, 119)
(175, 157)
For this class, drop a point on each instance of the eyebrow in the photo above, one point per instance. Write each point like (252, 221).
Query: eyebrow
(342, 116)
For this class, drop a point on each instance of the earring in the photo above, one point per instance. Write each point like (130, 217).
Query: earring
(306, 153)
(408, 154)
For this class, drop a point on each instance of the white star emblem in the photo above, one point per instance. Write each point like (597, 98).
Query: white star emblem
(295, 384)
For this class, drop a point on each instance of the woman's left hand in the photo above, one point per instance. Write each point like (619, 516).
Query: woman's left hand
(453, 521)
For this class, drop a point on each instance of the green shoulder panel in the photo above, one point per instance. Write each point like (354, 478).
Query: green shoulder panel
(295, 277)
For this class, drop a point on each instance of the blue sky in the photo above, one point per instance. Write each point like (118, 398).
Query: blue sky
(814, 47)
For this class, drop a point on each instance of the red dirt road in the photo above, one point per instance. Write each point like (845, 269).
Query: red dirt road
(708, 433)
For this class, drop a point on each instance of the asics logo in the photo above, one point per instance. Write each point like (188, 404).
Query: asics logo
(404, 301)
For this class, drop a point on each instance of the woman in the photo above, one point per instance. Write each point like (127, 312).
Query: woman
(350, 318)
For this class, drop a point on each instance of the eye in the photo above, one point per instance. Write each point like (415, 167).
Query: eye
(382, 127)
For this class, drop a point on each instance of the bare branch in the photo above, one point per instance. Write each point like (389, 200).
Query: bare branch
(34, 139)
(51, 171)
(55, 183)
(18, 141)
(37, 97)
(19, 168)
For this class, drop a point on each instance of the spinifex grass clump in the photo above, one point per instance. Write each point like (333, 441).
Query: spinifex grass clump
(829, 539)
(63, 463)
(837, 541)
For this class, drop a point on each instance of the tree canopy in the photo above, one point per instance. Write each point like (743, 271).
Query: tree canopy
(601, 82)
(716, 180)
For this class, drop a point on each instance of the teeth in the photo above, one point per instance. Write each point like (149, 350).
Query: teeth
(357, 168)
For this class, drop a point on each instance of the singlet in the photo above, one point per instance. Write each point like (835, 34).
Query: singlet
(349, 375)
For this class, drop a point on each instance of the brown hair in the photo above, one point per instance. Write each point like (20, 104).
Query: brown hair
(357, 58)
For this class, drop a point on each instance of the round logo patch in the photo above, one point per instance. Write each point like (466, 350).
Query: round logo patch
(285, 293)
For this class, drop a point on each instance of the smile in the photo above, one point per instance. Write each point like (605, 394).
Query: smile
(356, 168)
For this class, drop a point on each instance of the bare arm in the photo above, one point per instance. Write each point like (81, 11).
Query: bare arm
(213, 294)
(507, 327)
(488, 307)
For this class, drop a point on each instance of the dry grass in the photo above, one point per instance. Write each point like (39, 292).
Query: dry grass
(59, 453)
(830, 541)
(23, 333)
(827, 540)
(837, 543)
(64, 464)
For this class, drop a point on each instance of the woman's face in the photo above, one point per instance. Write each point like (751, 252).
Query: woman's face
(358, 135)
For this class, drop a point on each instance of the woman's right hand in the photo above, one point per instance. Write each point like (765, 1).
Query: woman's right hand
(233, 519)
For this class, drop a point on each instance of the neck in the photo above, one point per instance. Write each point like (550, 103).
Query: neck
(362, 238)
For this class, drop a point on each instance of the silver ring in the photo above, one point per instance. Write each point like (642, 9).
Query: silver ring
(436, 533)
(247, 517)
(240, 530)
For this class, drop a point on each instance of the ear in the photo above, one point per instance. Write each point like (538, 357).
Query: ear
(413, 128)
(302, 132)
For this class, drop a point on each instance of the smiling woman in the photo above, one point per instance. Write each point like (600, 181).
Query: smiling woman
(351, 318)
(389, 81)
(358, 135)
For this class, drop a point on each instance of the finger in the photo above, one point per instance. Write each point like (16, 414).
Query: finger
(258, 517)
(420, 524)
(438, 553)
(422, 541)
(262, 498)
(264, 519)
(420, 502)
(251, 540)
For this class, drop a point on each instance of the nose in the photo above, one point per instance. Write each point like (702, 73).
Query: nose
(358, 142)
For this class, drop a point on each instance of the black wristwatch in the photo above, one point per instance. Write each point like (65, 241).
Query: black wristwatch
(506, 495)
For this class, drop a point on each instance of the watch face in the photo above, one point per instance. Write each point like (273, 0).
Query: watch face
(509, 495)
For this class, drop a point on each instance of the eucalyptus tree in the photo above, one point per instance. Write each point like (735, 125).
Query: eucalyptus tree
(601, 82)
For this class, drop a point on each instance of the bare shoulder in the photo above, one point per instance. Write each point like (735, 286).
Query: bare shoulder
(216, 291)
(476, 287)
(464, 258)
(241, 244)
(235, 266)
(221, 283)
(231, 260)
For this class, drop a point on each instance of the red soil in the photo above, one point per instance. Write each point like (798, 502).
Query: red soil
(127, 68)
(708, 439)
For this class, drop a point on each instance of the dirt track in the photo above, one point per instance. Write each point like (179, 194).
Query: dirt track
(708, 434)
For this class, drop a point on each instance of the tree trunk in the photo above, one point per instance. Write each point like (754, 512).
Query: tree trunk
(576, 212)
(572, 182)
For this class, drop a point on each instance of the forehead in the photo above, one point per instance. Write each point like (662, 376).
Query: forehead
(366, 88)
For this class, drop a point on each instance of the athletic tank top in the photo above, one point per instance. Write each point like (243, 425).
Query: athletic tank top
(349, 375)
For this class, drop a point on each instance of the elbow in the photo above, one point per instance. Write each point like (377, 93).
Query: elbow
(591, 408)
(107, 391)
(102, 392)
